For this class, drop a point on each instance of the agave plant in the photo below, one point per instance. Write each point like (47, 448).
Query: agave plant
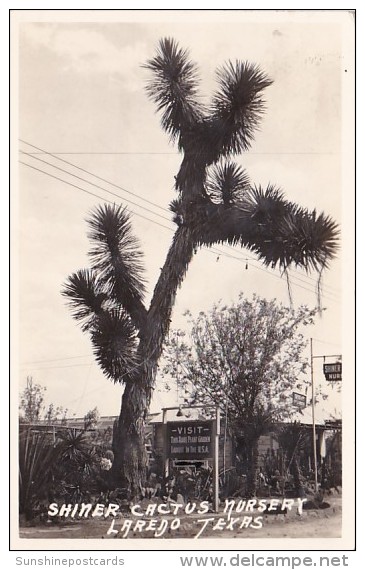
(293, 439)
(37, 456)
(215, 203)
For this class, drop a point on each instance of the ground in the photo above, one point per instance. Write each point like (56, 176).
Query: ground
(311, 523)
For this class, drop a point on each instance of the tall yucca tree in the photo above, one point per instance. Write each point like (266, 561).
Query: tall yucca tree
(215, 203)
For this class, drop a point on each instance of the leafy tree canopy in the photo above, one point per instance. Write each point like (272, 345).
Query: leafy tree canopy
(32, 408)
(247, 358)
(91, 418)
(31, 402)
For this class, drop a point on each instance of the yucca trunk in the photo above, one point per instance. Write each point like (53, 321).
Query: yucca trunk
(130, 459)
(128, 438)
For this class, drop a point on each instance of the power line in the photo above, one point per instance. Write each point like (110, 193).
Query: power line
(54, 359)
(211, 250)
(95, 185)
(274, 274)
(142, 153)
(65, 366)
(94, 175)
(253, 260)
(91, 363)
(326, 342)
(88, 192)
(84, 389)
(133, 194)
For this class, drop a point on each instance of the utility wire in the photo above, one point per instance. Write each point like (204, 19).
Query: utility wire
(43, 151)
(30, 363)
(209, 250)
(94, 175)
(95, 185)
(55, 359)
(87, 192)
(212, 250)
(62, 366)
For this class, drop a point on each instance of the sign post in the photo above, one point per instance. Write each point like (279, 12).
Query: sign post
(165, 450)
(333, 373)
(216, 461)
(314, 425)
(193, 440)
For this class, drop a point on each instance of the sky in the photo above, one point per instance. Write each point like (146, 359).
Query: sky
(82, 108)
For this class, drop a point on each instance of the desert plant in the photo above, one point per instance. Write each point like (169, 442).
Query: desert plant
(215, 203)
(37, 455)
(293, 439)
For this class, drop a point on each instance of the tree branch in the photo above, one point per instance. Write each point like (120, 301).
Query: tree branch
(277, 231)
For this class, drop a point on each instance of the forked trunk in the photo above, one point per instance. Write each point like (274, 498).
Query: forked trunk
(130, 458)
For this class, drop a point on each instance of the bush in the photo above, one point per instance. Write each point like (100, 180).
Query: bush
(37, 455)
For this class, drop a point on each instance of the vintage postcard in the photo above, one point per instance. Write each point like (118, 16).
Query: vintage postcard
(182, 214)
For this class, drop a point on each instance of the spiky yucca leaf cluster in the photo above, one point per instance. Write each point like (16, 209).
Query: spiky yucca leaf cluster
(108, 298)
(279, 232)
(174, 88)
(226, 125)
(227, 183)
(176, 208)
(237, 107)
(285, 234)
(215, 204)
(116, 257)
(115, 344)
(85, 297)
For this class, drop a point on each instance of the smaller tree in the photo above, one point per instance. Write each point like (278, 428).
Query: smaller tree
(32, 407)
(247, 358)
(56, 414)
(31, 402)
(91, 418)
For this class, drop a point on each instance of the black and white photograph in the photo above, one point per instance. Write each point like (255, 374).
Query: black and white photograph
(182, 243)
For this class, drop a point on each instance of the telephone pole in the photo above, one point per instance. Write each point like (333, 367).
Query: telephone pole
(314, 424)
(312, 357)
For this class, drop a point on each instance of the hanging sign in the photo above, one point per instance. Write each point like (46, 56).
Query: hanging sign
(333, 372)
(299, 400)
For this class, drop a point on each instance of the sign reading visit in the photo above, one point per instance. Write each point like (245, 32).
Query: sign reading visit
(333, 372)
(190, 440)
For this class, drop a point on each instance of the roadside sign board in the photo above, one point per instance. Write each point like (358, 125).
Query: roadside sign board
(190, 440)
(333, 371)
(299, 400)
